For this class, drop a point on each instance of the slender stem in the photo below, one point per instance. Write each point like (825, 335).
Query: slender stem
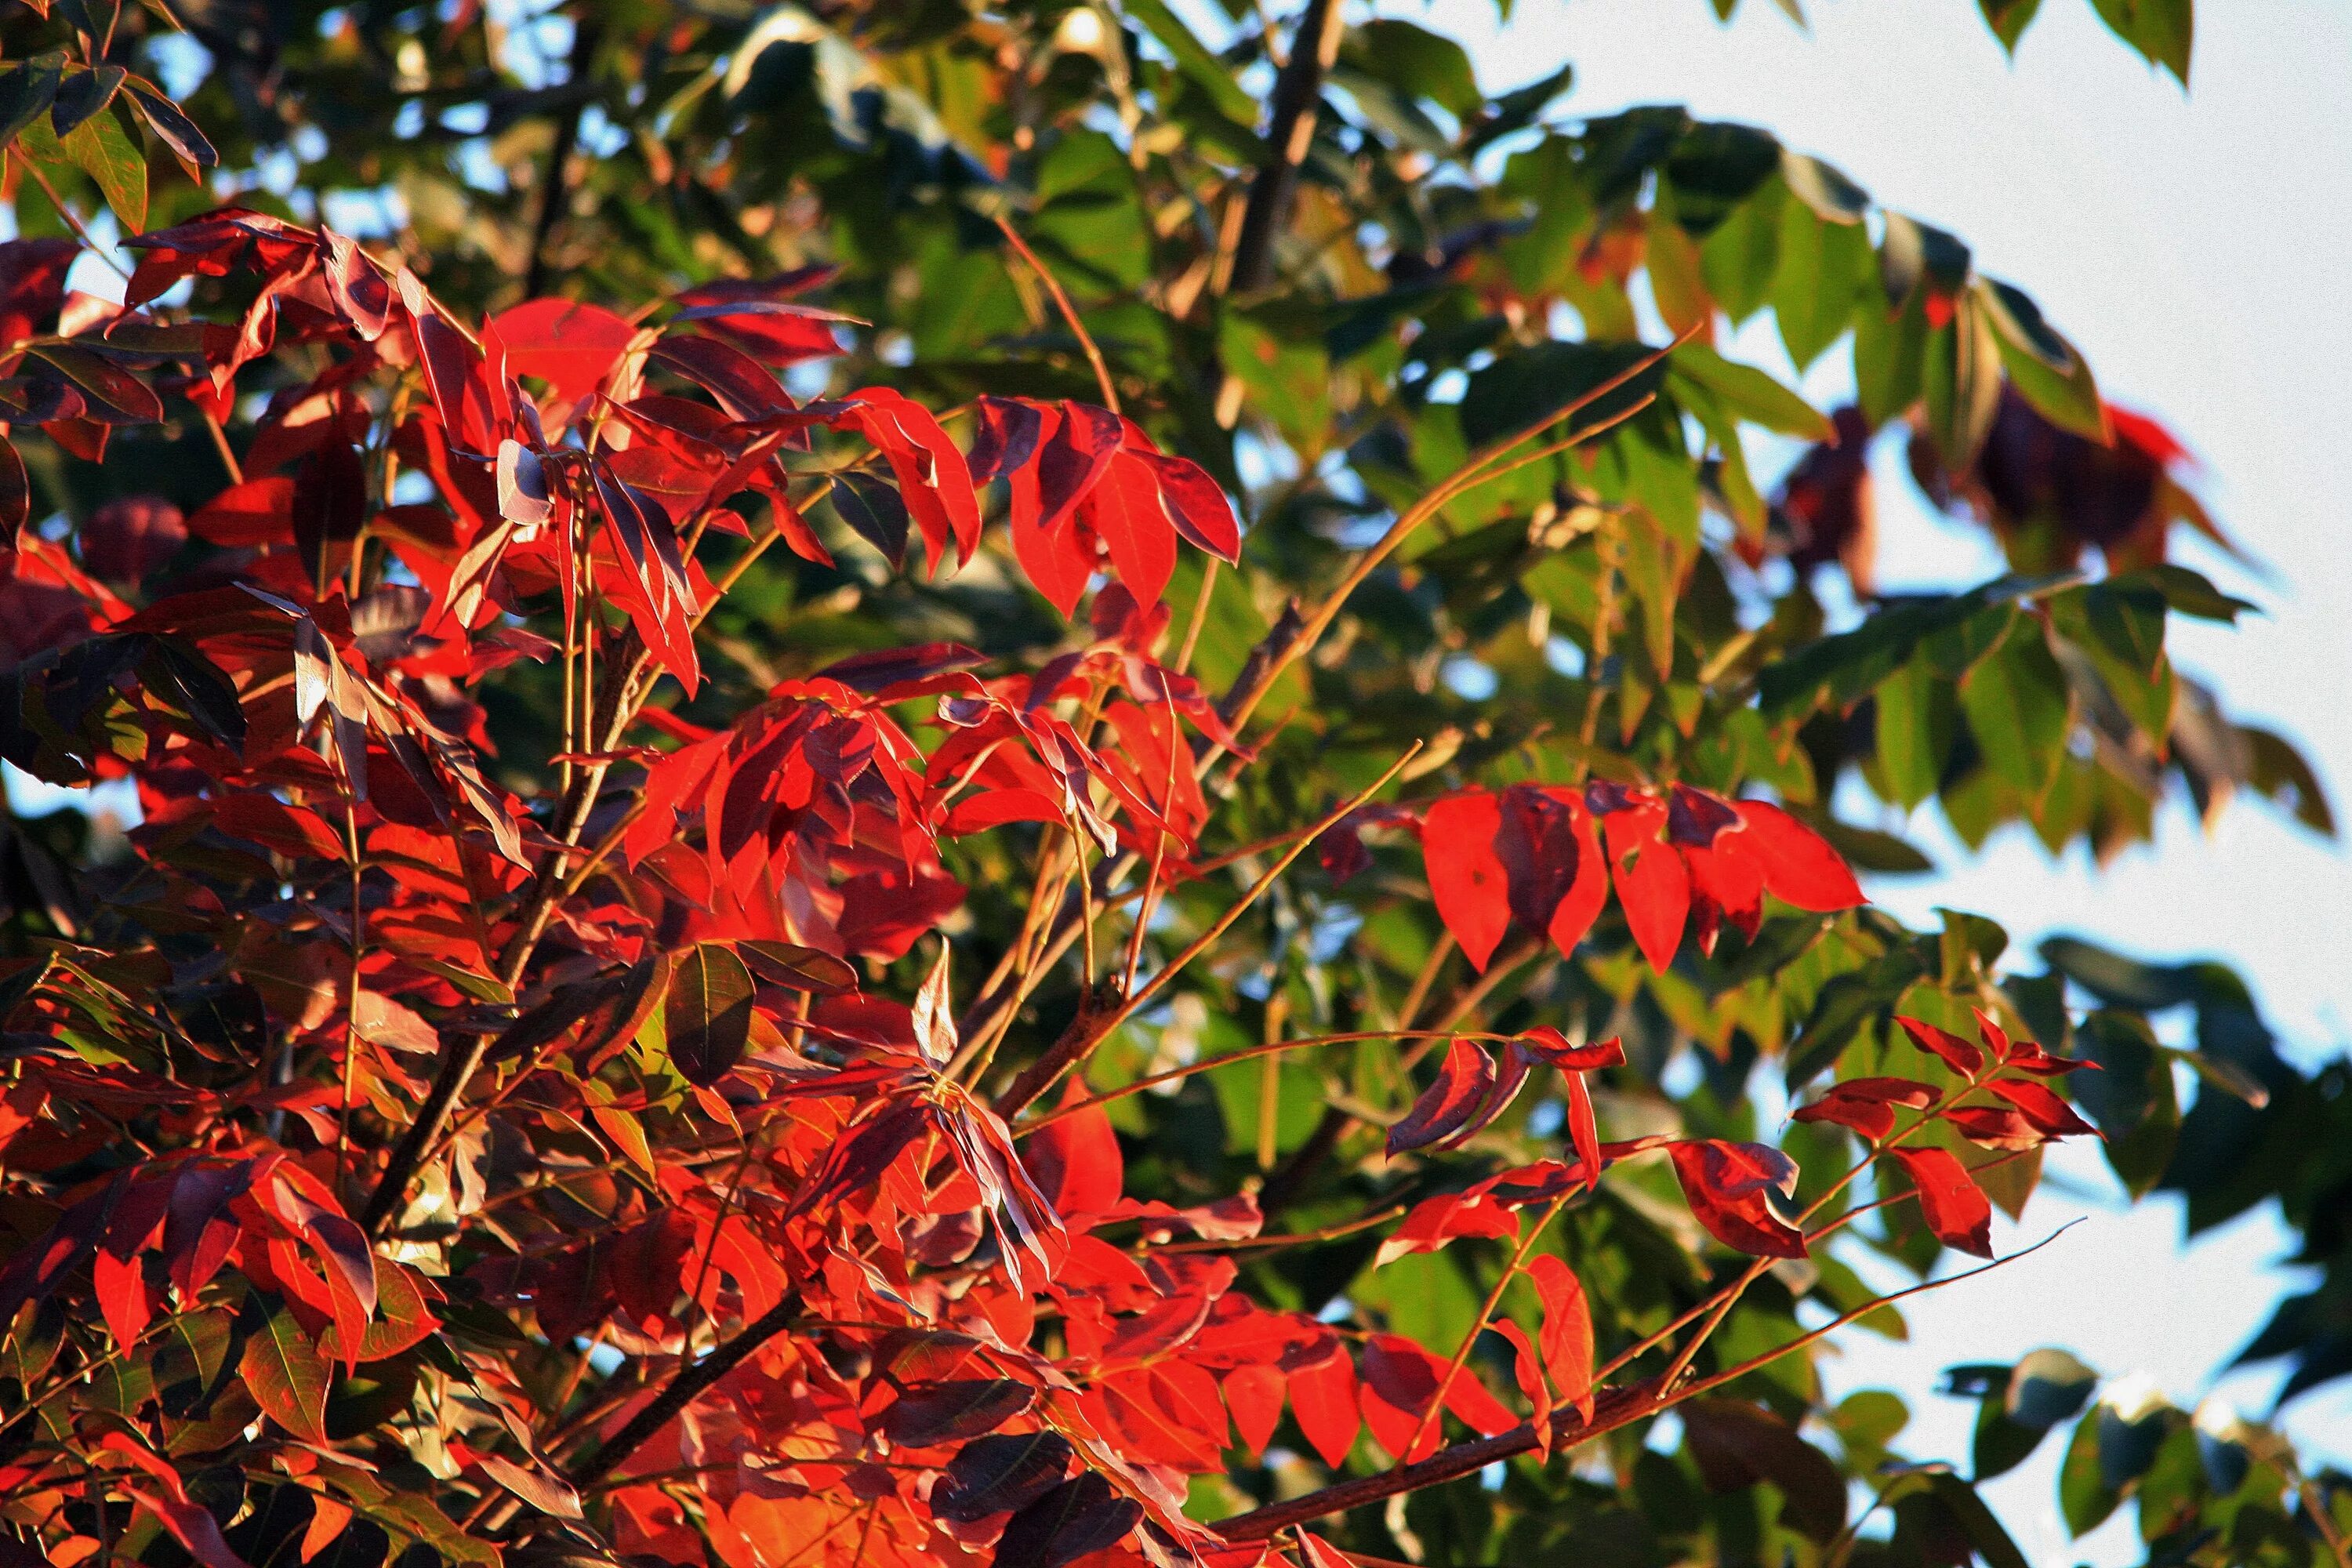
(1247, 1053)
(682, 1390)
(1613, 1408)
(220, 444)
(1481, 467)
(1047, 1070)
(350, 998)
(1485, 1316)
(73, 218)
(588, 33)
(1069, 312)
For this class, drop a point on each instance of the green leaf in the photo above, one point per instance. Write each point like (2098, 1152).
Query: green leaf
(1962, 376)
(1833, 197)
(283, 1369)
(708, 1013)
(1413, 60)
(1844, 1005)
(1917, 723)
(2128, 621)
(1984, 1531)
(2190, 593)
(1192, 57)
(2282, 775)
(180, 678)
(1714, 170)
(1524, 388)
(2019, 707)
(84, 92)
(1739, 257)
(1955, 647)
(2131, 1097)
(1914, 253)
(164, 118)
(2162, 31)
(1813, 292)
(2048, 1387)
(1747, 393)
(2044, 366)
(28, 89)
(1890, 354)
(101, 149)
(2009, 19)
(2083, 1497)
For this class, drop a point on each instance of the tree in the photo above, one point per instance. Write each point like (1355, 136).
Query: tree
(730, 705)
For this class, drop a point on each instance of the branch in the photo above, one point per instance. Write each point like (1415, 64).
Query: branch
(1069, 312)
(1613, 1408)
(1314, 46)
(1075, 1044)
(682, 1390)
(585, 36)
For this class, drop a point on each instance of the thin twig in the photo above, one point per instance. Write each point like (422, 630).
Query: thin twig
(1613, 1408)
(1047, 1070)
(1069, 312)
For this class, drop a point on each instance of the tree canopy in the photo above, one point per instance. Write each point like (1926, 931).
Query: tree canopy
(1041, 784)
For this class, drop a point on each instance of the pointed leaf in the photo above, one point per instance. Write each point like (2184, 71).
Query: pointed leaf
(285, 1373)
(1955, 1210)
(707, 1016)
(1465, 873)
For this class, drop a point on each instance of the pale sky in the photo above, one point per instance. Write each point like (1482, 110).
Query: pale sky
(2194, 246)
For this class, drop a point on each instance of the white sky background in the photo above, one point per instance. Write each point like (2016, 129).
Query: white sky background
(2195, 246)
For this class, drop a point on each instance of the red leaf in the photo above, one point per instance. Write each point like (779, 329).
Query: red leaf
(1196, 505)
(2047, 1112)
(1584, 1131)
(1527, 1369)
(1323, 1398)
(1580, 905)
(285, 1375)
(1866, 1105)
(1466, 874)
(1652, 885)
(1253, 1395)
(193, 1527)
(564, 343)
(1464, 1079)
(350, 1267)
(744, 390)
(1800, 867)
(122, 1296)
(1957, 1053)
(1553, 1048)
(1074, 457)
(1537, 844)
(1995, 1037)
(1321, 1554)
(1075, 1161)
(1435, 1221)
(1124, 511)
(1566, 1331)
(1400, 1381)
(930, 468)
(2030, 1058)
(1726, 1185)
(1996, 1127)
(130, 536)
(1948, 1199)
(1045, 533)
